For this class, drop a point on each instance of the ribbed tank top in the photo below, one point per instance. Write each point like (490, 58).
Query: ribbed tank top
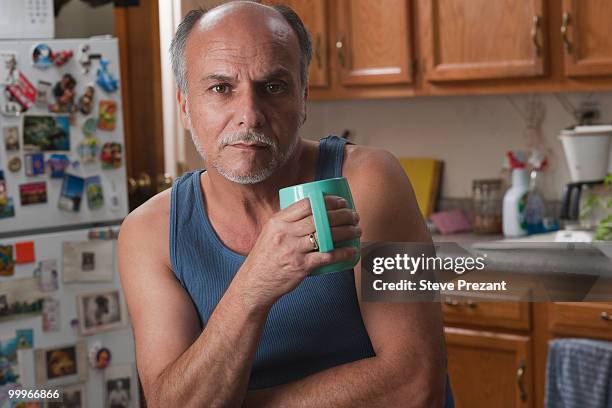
(316, 326)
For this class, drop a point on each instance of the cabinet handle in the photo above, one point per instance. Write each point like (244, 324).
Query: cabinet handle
(451, 302)
(471, 304)
(605, 316)
(564, 25)
(520, 374)
(318, 50)
(535, 28)
(339, 47)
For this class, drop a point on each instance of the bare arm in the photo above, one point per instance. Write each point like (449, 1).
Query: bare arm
(409, 367)
(178, 364)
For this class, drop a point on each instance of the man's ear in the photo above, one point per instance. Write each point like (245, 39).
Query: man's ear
(182, 103)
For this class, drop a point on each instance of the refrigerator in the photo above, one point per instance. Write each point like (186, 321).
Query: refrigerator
(63, 194)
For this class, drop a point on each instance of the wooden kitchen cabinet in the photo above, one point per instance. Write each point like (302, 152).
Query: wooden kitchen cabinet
(374, 42)
(482, 39)
(314, 15)
(488, 369)
(366, 49)
(586, 32)
(491, 314)
(581, 319)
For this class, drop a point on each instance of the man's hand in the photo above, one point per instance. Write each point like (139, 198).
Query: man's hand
(283, 254)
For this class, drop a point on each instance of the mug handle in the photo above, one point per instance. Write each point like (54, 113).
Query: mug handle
(321, 222)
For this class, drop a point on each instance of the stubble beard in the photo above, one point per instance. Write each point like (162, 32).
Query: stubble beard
(279, 158)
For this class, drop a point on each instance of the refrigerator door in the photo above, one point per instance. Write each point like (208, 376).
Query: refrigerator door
(66, 179)
(74, 257)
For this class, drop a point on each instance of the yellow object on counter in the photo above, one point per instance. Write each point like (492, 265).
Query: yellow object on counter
(424, 174)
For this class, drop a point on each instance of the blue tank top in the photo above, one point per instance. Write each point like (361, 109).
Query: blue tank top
(316, 326)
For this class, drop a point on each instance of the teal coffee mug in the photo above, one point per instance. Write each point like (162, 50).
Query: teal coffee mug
(315, 191)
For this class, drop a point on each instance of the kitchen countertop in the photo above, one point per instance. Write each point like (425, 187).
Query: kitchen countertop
(466, 238)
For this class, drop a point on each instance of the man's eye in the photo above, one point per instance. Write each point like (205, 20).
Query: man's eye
(275, 87)
(220, 88)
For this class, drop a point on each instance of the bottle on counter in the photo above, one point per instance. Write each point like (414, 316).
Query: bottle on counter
(535, 206)
(515, 200)
(487, 204)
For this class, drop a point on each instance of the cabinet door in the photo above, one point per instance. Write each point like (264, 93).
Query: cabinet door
(489, 369)
(482, 39)
(373, 42)
(314, 16)
(586, 30)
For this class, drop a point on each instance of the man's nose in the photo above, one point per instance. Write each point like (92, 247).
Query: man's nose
(249, 110)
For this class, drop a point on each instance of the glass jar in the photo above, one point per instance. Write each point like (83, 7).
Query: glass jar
(487, 202)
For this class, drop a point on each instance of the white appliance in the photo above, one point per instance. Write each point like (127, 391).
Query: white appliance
(26, 19)
(48, 226)
(587, 151)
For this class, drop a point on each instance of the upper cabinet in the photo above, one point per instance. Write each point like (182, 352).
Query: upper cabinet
(374, 42)
(482, 39)
(396, 48)
(586, 31)
(314, 16)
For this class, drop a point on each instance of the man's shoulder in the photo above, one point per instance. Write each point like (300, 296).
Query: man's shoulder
(365, 164)
(149, 220)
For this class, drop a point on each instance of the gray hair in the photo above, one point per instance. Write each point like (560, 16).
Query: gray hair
(177, 47)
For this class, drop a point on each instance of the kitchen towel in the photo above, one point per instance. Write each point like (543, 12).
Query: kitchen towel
(579, 374)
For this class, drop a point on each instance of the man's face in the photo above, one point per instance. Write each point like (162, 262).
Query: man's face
(245, 102)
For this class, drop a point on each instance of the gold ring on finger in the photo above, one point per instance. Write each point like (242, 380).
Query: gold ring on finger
(313, 241)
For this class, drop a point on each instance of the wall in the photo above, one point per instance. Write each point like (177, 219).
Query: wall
(469, 133)
(78, 19)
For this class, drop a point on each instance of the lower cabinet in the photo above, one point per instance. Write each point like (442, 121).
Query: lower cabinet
(489, 369)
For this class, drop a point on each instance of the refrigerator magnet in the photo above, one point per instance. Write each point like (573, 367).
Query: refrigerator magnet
(22, 92)
(86, 100)
(51, 315)
(43, 88)
(24, 252)
(107, 116)
(63, 91)
(99, 356)
(34, 164)
(111, 155)
(9, 73)
(7, 262)
(43, 133)
(88, 150)
(58, 163)
(25, 338)
(93, 191)
(89, 127)
(14, 164)
(7, 209)
(42, 56)
(71, 193)
(11, 138)
(104, 78)
(62, 57)
(87, 261)
(9, 107)
(33, 193)
(3, 189)
(47, 274)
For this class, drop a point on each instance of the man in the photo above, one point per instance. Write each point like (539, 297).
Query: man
(215, 275)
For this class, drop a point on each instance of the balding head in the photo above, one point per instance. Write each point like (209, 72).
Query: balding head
(278, 21)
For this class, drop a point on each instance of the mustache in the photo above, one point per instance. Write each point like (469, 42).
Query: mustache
(246, 137)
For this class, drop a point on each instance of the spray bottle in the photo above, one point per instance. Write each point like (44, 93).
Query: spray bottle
(513, 213)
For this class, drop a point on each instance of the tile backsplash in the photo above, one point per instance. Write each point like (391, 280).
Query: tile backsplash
(469, 133)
